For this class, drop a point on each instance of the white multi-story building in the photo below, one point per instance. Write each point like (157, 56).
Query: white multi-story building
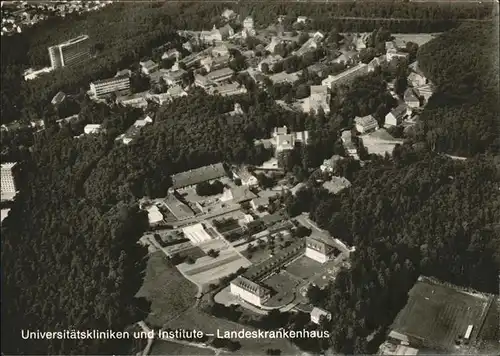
(319, 250)
(249, 291)
(8, 187)
(107, 86)
(71, 52)
(92, 129)
(365, 124)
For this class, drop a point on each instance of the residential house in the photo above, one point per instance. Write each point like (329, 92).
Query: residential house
(171, 53)
(336, 184)
(176, 91)
(188, 46)
(347, 57)
(279, 131)
(247, 178)
(259, 202)
(392, 54)
(319, 69)
(317, 314)
(220, 50)
(285, 142)
(237, 110)
(92, 129)
(215, 34)
(376, 62)
(301, 19)
(174, 77)
(360, 41)
(270, 61)
(148, 67)
(249, 291)
(365, 124)
(330, 164)
(203, 174)
(228, 14)
(396, 116)
(319, 98)
(228, 89)
(248, 27)
(123, 73)
(411, 98)
(425, 91)
(349, 147)
(346, 76)
(311, 44)
(416, 79)
(285, 77)
(272, 45)
(301, 137)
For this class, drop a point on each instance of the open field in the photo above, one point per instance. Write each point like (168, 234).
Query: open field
(169, 292)
(380, 142)
(161, 347)
(437, 315)
(196, 319)
(418, 38)
(304, 267)
(207, 269)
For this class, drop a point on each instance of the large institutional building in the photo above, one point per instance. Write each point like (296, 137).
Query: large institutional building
(107, 86)
(196, 234)
(71, 52)
(8, 186)
(319, 250)
(249, 291)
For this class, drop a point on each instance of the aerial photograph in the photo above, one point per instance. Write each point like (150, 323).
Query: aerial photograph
(250, 177)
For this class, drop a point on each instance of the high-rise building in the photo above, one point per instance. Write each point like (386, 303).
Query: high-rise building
(8, 186)
(71, 52)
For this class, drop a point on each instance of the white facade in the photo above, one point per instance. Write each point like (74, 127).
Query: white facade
(317, 256)
(8, 186)
(317, 314)
(108, 86)
(154, 215)
(196, 233)
(246, 295)
(92, 129)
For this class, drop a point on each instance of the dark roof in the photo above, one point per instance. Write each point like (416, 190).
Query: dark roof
(318, 245)
(250, 286)
(399, 111)
(198, 175)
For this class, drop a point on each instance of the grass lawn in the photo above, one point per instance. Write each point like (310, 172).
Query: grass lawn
(196, 319)
(304, 267)
(168, 291)
(161, 347)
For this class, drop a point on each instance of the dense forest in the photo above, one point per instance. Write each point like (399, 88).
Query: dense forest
(418, 214)
(462, 116)
(67, 263)
(69, 252)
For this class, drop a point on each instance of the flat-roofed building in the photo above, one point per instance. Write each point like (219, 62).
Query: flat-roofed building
(134, 130)
(174, 77)
(319, 250)
(8, 185)
(148, 67)
(71, 52)
(103, 87)
(196, 233)
(249, 291)
(198, 175)
(365, 124)
(346, 76)
(154, 215)
(228, 89)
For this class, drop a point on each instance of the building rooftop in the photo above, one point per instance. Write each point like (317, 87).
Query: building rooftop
(250, 286)
(317, 244)
(336, 184)
(219, 73)
(198, 175)
(366, 121)
(318, 313)
(110, 80)
(399, 111)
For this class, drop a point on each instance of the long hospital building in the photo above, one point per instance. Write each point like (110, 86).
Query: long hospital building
(69, 53)
(107, 86)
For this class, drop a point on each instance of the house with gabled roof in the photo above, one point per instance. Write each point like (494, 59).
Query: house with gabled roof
(396, 116)
(249, 291)
(319, 250)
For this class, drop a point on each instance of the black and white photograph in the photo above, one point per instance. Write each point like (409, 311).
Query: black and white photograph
(250, 177)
